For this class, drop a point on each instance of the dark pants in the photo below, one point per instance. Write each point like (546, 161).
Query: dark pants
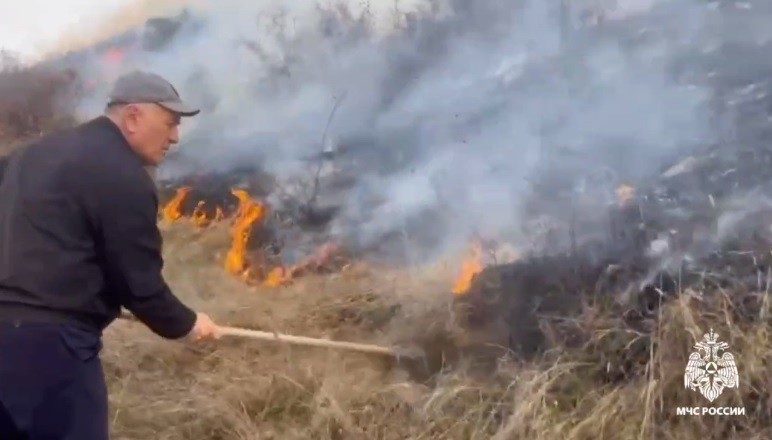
(52, 385)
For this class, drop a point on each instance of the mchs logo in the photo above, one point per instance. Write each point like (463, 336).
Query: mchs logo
(709, 373)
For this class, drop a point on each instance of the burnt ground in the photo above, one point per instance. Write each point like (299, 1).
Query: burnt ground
(702, 227)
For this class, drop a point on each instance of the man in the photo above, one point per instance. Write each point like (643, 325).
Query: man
(78, 240)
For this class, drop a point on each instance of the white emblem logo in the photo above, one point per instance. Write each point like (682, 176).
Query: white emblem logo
(709, 372)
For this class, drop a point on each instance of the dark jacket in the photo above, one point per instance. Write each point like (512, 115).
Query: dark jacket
(79, 235)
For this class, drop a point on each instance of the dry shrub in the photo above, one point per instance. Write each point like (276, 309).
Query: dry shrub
(615, 383)
(33, 100)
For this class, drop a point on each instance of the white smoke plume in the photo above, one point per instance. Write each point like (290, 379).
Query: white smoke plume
(448, 112)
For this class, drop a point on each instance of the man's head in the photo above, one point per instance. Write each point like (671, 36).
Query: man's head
(148, 110)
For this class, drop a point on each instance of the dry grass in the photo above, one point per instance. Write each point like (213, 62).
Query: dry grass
(32, 99)
(256, 390)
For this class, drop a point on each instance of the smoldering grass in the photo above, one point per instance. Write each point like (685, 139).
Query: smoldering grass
(245, 390)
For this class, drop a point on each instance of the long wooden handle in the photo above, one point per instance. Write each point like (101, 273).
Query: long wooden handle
(306, 341)
(295, 340)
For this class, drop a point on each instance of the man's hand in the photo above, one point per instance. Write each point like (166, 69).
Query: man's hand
(204, 328)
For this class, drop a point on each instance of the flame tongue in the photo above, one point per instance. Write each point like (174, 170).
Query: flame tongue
(249, 212)
(278, 276)
(173, 210)
(472, 265)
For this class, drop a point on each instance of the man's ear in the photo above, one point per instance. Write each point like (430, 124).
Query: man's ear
(131, 117)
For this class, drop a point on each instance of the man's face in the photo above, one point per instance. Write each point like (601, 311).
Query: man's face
(151, 131)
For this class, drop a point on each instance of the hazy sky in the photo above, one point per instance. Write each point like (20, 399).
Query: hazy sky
(28, 26)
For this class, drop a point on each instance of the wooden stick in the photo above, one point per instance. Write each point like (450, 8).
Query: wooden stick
(311, 342)
(295, 340)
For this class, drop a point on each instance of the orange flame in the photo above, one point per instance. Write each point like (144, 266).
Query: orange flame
(173, 210)
(278, 276)
(253, 268)
(471, 266)
(249, 212)
(323, 257)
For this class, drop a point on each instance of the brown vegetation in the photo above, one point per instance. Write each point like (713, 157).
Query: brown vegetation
(33, 100)
(238, 389)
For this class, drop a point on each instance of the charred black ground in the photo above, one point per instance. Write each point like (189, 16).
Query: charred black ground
(703, 227)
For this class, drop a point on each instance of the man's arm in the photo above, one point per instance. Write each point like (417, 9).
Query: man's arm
(4, 164)
(131, 243)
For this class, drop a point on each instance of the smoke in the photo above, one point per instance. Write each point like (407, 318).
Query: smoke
(446, 114)
(103, 21)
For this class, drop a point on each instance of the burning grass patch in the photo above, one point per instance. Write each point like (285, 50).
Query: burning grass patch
(608, 380)
(256, 254)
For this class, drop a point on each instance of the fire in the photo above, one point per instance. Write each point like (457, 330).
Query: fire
(199, 217)
(173, 210)
(254, 268)
(471, 266)
(278, 276)
(322, 258)
(249, 212)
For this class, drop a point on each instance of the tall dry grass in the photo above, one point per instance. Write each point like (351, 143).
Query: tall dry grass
(617, 384)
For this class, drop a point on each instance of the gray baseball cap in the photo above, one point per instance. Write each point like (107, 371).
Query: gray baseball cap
(144, 87)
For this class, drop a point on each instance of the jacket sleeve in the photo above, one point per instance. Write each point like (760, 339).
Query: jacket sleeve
(4, 164)
(131, 243)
